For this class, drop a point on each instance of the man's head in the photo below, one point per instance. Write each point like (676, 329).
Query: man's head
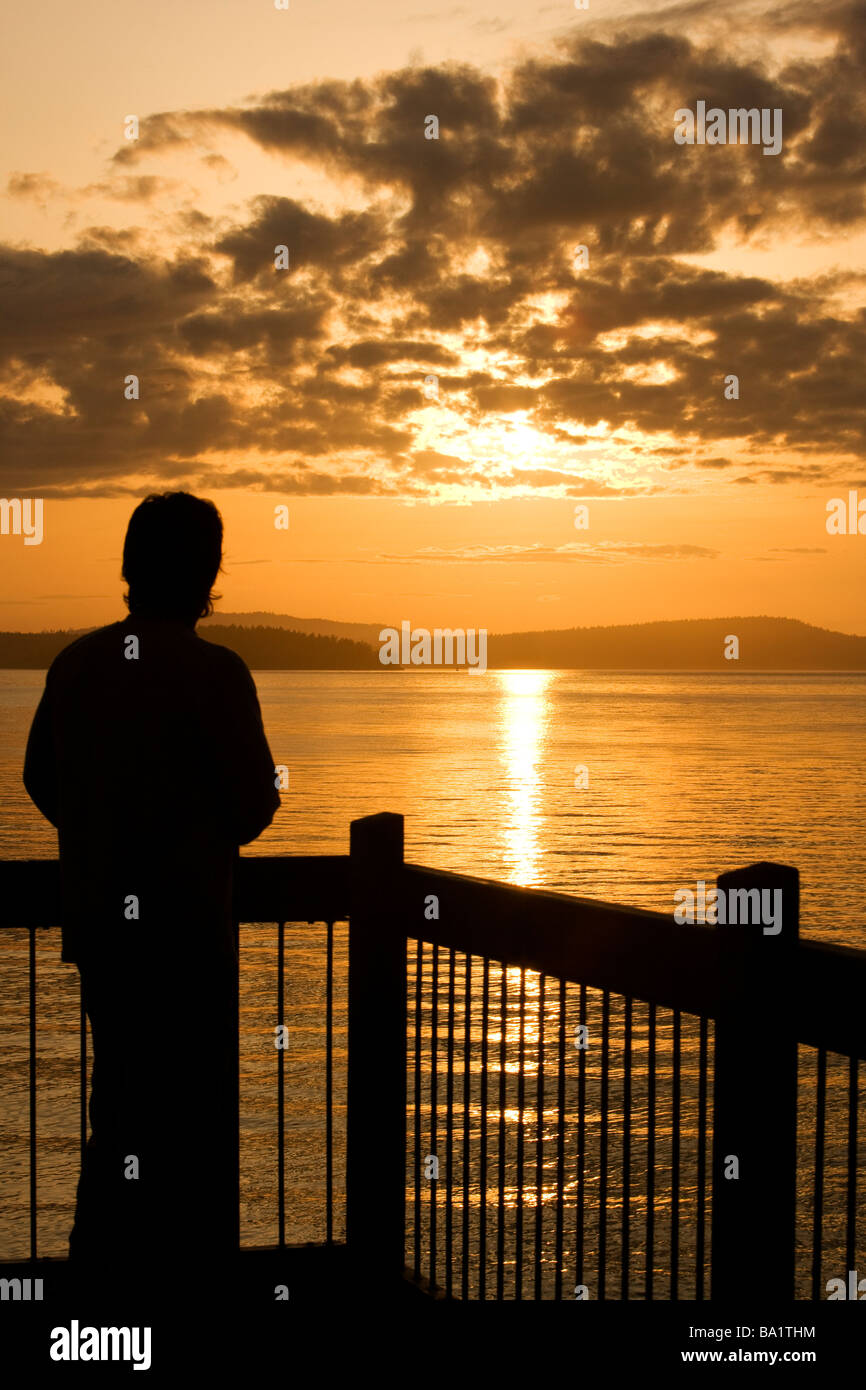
(171, 557)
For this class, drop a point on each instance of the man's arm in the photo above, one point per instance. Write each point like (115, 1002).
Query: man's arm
(251, 793)
(40, 764)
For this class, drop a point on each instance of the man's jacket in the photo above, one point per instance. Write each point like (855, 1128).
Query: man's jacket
(150, 758)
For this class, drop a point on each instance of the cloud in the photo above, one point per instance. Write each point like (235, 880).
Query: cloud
(458, 262)
(38, 186)
(602, 552)
(132, 188)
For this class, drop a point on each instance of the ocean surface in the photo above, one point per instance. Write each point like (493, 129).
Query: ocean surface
(621, 786)
(688, 775)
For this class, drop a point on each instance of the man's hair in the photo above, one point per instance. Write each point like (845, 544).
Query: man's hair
(171, 556)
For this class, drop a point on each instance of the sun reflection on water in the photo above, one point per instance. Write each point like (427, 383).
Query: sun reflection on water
(524, 713)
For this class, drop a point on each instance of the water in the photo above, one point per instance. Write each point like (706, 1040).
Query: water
(686, 776)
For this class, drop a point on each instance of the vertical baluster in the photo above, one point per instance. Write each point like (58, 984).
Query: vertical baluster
(434, 1102)
(281, 1087)
(581, 1144)
(702, 1160)
(82, 1071)
(675, 1161)
(482, 1164)
(818, 1195)
(32, 1069)
(467, 1112)
(500, 1232)
(521, 1100)
(539, 1142)
(650, 1152)
(329, 1086)
(560, 1142)
(851, 1238)
(602, 1159)
(626, 1150)
(419, 977)
(449, 1132)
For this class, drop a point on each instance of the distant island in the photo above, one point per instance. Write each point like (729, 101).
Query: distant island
(367, 633)
(262, 648)
(686, 644)
(284, 643)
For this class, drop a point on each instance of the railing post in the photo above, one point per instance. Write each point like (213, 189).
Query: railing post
(755, 1089)
(376, 1099)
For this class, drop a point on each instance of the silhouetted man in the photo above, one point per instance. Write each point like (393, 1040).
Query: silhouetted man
(147, 752)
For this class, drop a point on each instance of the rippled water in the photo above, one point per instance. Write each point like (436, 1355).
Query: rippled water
(686, 776)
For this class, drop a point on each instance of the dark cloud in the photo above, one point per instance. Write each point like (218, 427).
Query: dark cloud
(375, 353)
(277, 333)
(313, 241)
(464, 245)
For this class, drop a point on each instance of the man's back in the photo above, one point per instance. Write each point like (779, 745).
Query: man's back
(148, 753)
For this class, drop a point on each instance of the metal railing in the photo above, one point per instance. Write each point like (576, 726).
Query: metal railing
(667, 1156)
(550, 1097)
(291, 893)
(584, 1165)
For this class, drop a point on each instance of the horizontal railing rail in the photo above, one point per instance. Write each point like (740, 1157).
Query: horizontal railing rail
(696, 969)
(268, 888)
(635, 952)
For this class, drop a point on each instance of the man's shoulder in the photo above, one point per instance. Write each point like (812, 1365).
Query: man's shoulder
(84, 648)
(179, 648)
(225, 662)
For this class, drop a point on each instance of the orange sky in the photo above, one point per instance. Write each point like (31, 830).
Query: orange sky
(557, 385)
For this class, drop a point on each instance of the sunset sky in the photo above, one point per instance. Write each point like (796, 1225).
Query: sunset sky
(558, 385)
